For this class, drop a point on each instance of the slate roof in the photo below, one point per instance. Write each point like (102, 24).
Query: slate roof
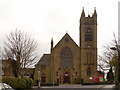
(45, 60)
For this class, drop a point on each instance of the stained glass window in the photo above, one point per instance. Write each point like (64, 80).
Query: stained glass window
(66, 58)
(88, 71)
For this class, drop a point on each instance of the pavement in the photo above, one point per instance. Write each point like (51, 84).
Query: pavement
(98, 87)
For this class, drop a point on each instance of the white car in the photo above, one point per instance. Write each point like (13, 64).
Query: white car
(4, 86)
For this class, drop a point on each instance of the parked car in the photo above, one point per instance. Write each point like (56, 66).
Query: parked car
(4, 86)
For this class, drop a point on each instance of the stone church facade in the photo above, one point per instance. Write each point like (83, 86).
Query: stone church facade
(68, 62)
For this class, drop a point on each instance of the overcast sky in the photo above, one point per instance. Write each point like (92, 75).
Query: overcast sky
(44, 19)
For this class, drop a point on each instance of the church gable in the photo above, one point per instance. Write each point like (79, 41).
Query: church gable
(66, 54)
(66, 41)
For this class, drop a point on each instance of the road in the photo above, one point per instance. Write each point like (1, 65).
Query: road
(77, 87)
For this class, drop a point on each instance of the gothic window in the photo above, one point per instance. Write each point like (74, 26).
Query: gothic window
(88, 71)
(66, 40)
(87, 58)
(56, 73)
(66, 59)
(88, 35)
(90, 58)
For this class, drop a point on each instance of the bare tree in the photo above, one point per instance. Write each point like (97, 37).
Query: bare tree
(21, 48)
(104, 61)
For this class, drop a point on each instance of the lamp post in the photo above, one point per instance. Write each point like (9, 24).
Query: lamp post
(38, 71)
(118, 66)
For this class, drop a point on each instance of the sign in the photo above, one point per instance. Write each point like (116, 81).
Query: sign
(101, 79)
(97, 79)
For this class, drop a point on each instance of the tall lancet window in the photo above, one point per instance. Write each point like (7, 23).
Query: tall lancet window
(88, 71)
(88, 35)
(66, 59)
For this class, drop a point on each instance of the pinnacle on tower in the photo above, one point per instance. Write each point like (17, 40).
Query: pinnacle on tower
(52, 43)
(83, 13)
(95, 13)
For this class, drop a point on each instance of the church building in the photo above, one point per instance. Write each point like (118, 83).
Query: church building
(68, 62)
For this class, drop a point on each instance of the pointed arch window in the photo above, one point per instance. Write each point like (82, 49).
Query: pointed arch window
(89, 71)
(66, 58)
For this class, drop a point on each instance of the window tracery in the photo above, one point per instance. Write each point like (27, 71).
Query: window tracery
(66, 59)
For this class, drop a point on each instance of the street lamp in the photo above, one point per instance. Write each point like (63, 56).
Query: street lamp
(117, 49)
(38, 71)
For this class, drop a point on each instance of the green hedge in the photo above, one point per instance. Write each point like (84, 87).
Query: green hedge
(22, 83)
(10, 81)
(18, 83)
(29, 82)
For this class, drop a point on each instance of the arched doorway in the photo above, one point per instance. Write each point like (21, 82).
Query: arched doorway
(66, 78)
(43, 78)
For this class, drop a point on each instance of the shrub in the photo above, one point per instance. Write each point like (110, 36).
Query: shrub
(13, 82)
(21, 83)
(29, 82)
(18, 83)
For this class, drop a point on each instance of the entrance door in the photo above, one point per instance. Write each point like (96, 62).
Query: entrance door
(66, 78)
(43, 78)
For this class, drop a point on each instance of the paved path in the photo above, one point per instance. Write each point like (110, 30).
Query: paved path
(86, 87)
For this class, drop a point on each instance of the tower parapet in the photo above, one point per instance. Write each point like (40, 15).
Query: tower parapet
(90, 19)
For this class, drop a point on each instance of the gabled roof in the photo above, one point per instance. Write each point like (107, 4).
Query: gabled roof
(45, 60)
(66, 35)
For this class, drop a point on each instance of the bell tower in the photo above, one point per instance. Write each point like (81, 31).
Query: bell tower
(88, 46)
